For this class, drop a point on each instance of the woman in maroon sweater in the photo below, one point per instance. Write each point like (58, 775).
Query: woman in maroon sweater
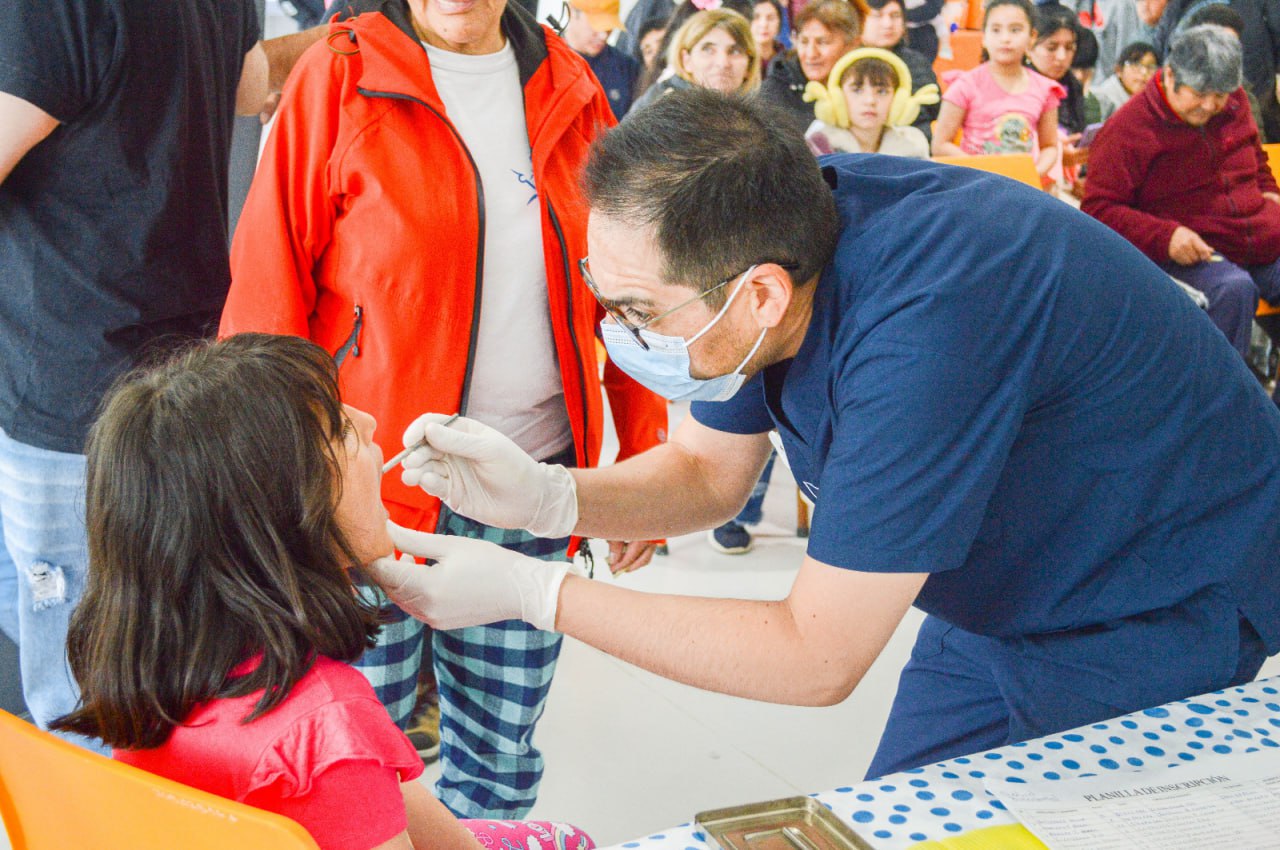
(1180, 173)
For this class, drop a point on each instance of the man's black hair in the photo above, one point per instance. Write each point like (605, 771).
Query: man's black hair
(722, 183)
(1134, 52)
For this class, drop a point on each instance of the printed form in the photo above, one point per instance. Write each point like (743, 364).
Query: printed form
(1228, 801)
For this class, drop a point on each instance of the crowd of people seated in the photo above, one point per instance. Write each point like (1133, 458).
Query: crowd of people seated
(1052, 77)
(858, 77)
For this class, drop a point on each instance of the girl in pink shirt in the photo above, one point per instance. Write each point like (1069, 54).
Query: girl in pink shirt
(1002, 106)
(229, 492)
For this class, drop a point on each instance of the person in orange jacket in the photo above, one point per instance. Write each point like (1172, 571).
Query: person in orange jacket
(416, 212)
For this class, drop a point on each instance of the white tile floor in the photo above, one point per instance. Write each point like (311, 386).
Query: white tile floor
(629, 753)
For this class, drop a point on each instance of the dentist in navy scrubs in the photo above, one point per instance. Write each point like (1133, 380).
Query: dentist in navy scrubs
(1005, 414)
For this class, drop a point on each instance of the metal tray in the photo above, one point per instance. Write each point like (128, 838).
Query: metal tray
(795, 823)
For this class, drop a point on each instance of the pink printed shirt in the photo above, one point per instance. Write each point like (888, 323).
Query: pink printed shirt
(997, 121)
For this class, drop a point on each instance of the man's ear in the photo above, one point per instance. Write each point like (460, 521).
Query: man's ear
(771, 291)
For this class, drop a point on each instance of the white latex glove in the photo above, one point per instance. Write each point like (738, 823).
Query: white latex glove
(481, 474)
(471, 583)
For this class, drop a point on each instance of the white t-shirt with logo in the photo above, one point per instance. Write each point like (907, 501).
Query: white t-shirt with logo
(515, 383)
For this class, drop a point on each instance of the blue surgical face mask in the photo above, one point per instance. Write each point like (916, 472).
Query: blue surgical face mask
(664, 368)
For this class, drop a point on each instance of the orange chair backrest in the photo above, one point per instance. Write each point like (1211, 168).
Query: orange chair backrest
(1273, 160)
(973, 15)
(966, 53)
(57, 796)
(1020, 167)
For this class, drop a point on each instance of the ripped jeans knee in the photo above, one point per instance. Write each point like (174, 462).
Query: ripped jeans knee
(48, 585)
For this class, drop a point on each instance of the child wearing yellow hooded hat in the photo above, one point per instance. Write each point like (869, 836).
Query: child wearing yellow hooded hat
(866, 106)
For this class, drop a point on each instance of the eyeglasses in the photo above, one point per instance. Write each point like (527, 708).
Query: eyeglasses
(1142, 66)
(634, 328)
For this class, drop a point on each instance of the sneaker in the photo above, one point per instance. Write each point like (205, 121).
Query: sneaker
(730, 539)
(424, 733)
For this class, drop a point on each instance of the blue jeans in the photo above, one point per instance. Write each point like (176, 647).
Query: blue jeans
(43, 566)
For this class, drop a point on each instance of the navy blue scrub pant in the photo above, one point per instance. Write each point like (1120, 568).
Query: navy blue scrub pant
(962, 692)
(1233, 294)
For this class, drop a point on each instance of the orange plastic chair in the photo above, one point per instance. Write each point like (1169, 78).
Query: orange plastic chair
(57, 796)
(973, 20)
(1019, 167)
(966, 53)
(1273, 160)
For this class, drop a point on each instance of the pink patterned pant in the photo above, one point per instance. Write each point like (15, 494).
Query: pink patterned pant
(528, 835)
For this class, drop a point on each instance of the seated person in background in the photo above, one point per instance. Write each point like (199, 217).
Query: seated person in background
(1003, 107)
(923, 20)
(1179, 172)
(1135, 67)
(1258, 26)
(660, 70)
(1225, 16)
(590, 23)
(1082, 68)
(825, 30)
(886, 27)
(214, 642)
(867, 107)
(712, 50)
(1053, 53)
(1082, 64)
(651, 35)
(766, 25)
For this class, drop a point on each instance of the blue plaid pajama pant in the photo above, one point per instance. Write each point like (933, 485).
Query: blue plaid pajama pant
(493, 683)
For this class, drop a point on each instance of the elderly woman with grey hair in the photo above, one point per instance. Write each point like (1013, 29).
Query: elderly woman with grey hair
(1212, 221)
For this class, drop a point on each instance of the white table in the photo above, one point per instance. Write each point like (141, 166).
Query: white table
(950, 797)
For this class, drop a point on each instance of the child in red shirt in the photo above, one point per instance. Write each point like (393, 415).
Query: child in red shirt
(229, 491)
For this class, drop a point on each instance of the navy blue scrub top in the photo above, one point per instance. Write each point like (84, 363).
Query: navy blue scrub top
(999, 391)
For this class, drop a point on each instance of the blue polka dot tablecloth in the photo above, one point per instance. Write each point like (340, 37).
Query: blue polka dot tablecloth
(950, 797)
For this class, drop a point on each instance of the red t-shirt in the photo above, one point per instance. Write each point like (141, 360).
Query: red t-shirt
(328, 746)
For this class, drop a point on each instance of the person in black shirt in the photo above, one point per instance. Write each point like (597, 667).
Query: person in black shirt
(115, 130)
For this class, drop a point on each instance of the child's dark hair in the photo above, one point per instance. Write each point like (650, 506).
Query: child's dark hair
(1024, 5)
(1134, 53)
(1050, 19)
(1220, 14)
(651, 25)
(1086, 50)
(212, 489)
(992, 5)
(875, 71)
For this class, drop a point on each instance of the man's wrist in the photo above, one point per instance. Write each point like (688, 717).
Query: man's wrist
(557, 511)
(540, 597)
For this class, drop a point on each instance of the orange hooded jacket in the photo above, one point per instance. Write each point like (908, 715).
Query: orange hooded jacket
(364, 232)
